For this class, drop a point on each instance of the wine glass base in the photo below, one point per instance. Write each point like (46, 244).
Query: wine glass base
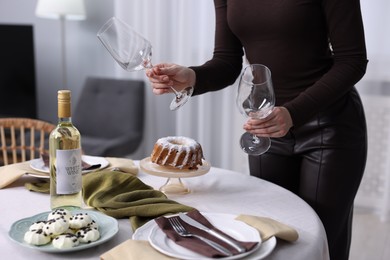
(254, 146)
(181, 98)
(174, 186)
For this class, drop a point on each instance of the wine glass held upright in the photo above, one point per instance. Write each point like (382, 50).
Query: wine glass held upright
(133, 52)
(255, 99)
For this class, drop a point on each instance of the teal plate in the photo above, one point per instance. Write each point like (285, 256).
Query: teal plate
(108, 227)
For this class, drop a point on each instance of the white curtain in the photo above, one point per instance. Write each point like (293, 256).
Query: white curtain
(374, 191)
(182, 32)
(377, 30)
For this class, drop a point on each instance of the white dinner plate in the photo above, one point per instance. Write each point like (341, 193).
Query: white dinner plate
(108, 227)
(226, 222)
(39, 165)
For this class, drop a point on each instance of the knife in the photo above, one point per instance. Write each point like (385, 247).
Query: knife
(212, 232)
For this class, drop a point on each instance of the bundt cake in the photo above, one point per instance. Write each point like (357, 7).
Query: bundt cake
(178, 152)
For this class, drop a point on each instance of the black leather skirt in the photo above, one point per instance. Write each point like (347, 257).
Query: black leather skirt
(323, 162)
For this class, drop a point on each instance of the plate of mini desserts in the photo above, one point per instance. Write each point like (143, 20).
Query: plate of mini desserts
(61, 230)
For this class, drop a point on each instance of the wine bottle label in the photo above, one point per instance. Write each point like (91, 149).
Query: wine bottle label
(68, 166)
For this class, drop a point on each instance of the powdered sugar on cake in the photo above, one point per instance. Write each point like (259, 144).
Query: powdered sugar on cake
(178, 152)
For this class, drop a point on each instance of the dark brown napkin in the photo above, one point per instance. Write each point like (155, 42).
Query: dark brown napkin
(84, 165)
(195, 244)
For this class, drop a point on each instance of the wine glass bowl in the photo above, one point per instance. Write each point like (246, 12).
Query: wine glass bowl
(133, 53)
(255, 99)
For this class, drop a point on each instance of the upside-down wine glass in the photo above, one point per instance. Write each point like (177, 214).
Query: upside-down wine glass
(133, 52)
(255, 99)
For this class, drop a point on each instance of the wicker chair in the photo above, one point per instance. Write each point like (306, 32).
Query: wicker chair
(23, 139)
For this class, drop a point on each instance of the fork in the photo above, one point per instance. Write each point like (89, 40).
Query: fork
(181, 231)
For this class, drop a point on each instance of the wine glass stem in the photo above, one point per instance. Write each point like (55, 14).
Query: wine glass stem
(255, 139)
(149, 65)
(177, 94)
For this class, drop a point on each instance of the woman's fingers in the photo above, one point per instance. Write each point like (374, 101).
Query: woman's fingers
(164, 76)
(277, 124)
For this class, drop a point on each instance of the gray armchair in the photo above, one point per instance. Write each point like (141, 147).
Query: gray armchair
(110, 116)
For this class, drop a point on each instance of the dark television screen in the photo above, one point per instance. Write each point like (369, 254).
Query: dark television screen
(17, 71)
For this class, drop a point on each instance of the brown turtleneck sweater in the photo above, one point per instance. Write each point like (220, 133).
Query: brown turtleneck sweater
(314, 48)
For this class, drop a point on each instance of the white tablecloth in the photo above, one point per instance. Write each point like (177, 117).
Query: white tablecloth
(220, 191)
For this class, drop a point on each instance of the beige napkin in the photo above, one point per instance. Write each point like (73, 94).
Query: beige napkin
(122, 165)
(12, 172)
(269, 227)
(134, 250)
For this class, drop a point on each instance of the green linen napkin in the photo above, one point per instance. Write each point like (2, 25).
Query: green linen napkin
(42, 186)
(121, 195)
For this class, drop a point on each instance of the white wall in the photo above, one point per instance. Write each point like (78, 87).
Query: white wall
(82, 49)
(183, 32)
(85, 57)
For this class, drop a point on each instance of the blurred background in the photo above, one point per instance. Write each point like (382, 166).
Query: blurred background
(31, 72)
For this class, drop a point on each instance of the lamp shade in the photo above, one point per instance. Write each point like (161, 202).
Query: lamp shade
(55, 9)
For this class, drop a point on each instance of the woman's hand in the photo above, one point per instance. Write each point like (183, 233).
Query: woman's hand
(276, 124)
(166, 75)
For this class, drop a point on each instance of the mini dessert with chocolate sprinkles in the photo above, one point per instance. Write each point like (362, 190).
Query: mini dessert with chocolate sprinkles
(36, 237)
(55, 227)
(37, 225)
(57, 213)
(80, 220)
(88, 235)
(65, 241)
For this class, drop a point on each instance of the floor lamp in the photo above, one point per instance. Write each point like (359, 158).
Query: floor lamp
(62, 10)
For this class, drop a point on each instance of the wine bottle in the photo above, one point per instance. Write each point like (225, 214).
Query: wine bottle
(65, 158)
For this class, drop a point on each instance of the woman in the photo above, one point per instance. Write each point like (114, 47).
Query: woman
(316, 52)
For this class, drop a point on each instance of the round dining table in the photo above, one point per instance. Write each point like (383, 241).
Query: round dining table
(218, 191)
